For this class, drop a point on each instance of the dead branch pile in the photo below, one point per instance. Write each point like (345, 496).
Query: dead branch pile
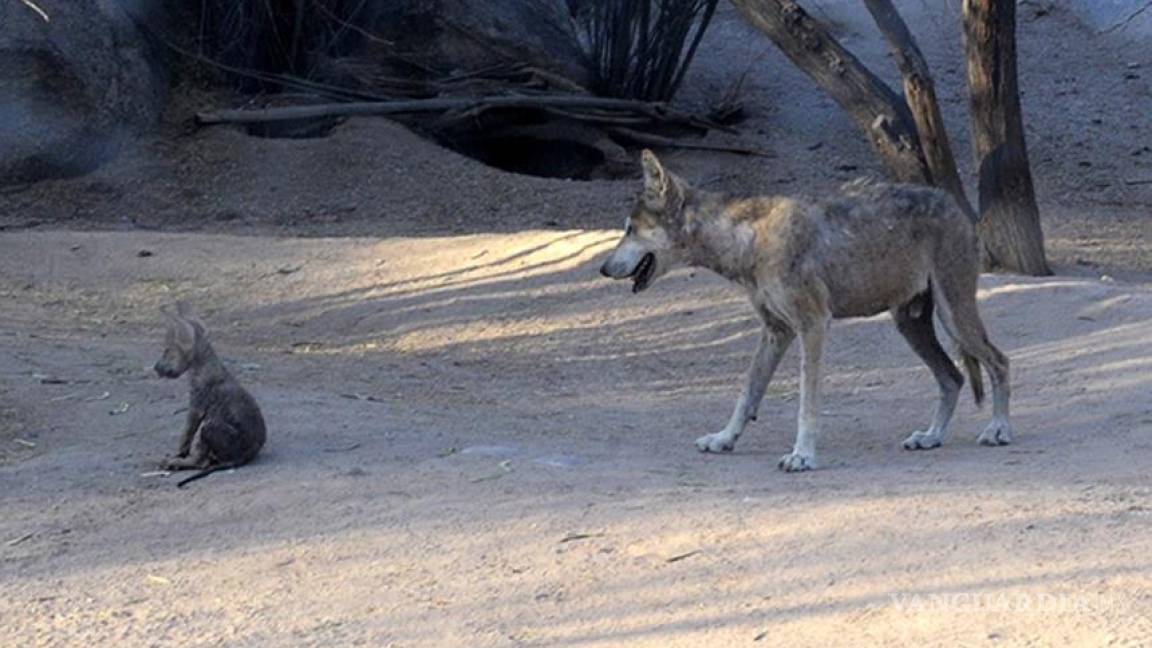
(640, 52)
(511, 102)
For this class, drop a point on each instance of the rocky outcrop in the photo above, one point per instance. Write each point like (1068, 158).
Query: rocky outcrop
(75, 80)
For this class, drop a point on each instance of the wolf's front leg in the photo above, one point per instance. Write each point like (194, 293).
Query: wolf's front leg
(190, 426)
(774, 342)
(803, 455)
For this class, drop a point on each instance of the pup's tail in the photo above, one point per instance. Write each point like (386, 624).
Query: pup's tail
(204, 473)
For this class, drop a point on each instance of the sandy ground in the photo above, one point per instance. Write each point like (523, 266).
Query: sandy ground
(477, 441)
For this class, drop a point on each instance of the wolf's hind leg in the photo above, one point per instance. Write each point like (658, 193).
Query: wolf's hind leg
(223, 442)
(213, 442)
(774, 341)
(914, 321)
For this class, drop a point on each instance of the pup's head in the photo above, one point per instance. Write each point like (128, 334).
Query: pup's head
(651, 243)
(181, 343)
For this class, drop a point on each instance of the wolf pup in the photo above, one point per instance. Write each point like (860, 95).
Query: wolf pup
(876, 247)
(224, 428)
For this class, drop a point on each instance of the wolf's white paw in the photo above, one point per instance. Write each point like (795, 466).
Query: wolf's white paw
(997, 433)
(923, 440)
(719, 442)
(796, 462)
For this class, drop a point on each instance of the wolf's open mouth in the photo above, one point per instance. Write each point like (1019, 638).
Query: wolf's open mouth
(643, 272)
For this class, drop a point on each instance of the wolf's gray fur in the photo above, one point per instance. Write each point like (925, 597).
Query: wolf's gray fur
(875, 247)
(224, 428)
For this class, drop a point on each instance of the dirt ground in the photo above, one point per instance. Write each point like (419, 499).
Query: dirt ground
(477, 441)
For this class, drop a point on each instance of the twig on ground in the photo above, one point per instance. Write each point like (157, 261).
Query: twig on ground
(348, 448)
(505, 468)
(15, 541)
(362, 397)
(683, 556)
(580, 536)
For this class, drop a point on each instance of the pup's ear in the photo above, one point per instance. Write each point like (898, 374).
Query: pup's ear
(181, 325)
(181, 333)
(187, 313)
(655, 180)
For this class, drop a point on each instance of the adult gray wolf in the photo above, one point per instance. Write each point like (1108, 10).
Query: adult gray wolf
(902, 248)
(224, 428)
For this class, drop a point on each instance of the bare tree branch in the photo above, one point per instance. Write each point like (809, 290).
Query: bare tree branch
(920, 92)
(880, 113)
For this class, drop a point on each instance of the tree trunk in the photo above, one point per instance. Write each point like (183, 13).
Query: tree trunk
(878, 111)
(1010, 221)
(920, 93)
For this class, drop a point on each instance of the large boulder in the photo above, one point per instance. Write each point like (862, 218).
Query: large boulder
(75, 80)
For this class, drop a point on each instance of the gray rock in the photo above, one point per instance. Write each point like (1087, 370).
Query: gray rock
(72, 87)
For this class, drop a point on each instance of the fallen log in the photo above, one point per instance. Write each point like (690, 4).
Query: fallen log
(658, 112)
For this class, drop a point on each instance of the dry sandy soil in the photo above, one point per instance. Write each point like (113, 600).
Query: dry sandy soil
(477, 441)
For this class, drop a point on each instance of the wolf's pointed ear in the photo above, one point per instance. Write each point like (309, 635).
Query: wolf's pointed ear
(655, 180)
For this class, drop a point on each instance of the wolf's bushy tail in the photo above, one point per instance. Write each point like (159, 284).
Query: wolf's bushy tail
(975, 377)
(971, 364)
